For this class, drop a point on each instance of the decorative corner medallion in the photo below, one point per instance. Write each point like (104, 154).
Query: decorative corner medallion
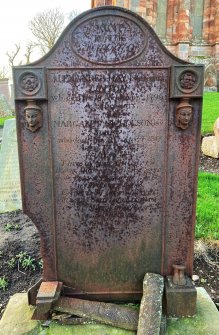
(30, 83)
(186, 81)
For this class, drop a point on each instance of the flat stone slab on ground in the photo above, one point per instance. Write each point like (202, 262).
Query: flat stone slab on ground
(17, 317)
(205, 322)
(56, 329)
(17, 320)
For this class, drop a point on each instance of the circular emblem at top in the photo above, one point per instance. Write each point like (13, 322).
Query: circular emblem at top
(108, 40)
(29, 83)
(187, 81)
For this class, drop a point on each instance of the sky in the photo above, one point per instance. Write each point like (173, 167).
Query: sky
(15, 16)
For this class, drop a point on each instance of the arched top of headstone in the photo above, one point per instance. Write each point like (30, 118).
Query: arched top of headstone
(108, 36)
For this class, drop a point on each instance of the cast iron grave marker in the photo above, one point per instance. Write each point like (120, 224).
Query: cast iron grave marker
(108, 130)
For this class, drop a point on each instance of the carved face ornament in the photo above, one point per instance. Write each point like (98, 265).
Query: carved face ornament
(33, 117)
(183, 114)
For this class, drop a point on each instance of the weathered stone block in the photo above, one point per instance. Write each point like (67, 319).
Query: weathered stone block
(210, 146)
(180, 300)
(111, 314)
(151, 305)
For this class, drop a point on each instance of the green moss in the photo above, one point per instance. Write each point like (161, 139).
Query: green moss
(17, 317)
(205, 322)
(56, 329)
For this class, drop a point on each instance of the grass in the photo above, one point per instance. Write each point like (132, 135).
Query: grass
(3, 119)
(23, 261)
(11, 226)
(207, 225)
(3, 283)
(210, 111)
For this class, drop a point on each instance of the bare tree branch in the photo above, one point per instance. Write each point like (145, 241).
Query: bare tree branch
(13, 54)
(46, 27)
(29, 49)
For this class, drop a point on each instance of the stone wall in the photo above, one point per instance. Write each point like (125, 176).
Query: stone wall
(4, 89)
(6, 96)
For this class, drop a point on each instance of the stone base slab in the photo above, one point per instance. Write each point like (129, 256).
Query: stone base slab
(17, 320)
(205, 322)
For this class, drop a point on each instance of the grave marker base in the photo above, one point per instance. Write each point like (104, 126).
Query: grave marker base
(180, 300)
(48, 293)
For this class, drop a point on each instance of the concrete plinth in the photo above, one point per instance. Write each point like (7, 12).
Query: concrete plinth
(17, 320)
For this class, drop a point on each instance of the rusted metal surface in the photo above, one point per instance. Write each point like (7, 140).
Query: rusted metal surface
(47, 294)
(180, 300)
(113, 200)
(32, 292)
(108, 178)
(178, 275)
